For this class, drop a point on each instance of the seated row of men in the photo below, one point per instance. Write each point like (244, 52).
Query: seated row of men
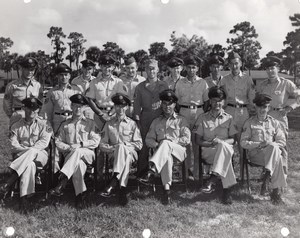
(169, 134)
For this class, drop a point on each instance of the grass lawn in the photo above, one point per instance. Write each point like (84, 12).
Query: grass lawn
(192, 214)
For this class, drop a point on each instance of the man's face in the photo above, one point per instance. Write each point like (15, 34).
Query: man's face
(121, 110)
(151, 72)
(64, 78)
(192, 70)
(131, 69)
(215, 69)
(107, 70)
(31, 114)
(87, 71)
(168, 107)
(235, 66)
(175, 71)
(216, 103)
(262, 111)
(28, 73)
(77, 109)
(272, 72)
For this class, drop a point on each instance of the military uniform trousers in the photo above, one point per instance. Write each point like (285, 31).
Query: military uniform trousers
(220, 157)
(25, 167)
(270, 157)
(75, 167)
(163, 159)
(123, 158)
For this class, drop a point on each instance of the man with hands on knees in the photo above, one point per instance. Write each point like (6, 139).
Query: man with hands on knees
(77, 140)
(264, 139)
(168, 135)
(122, 137)
(216, 135)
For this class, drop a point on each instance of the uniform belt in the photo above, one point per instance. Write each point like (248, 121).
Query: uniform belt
(106, 108)
(191, 106)
(277, 109)
(63, 113)
(17, 108)
(237, 105)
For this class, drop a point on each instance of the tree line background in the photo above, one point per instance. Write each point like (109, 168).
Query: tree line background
(243, 41)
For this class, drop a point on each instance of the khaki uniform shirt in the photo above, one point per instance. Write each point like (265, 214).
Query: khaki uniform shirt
(211, 82)
(130, 84)
(82, 83)
(171, 82)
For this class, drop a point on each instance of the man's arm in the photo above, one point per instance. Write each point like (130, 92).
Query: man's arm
(151, 136)
(246, 141)
(185, 133)
(8, 101)
(93, 138)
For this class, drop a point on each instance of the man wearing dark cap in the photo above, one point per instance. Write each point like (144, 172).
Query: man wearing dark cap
(215, 64)
(216, 135)
(101, 89)
(131, 79)
(29, 138)
(240, 92)
(77, 140)
(20, 89)
(193, 101)
(263, 137)
(169, 134)
(175, 66)
(146, 107)
(122, 138)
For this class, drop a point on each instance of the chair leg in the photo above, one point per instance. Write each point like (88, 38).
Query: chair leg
(184, 176)
(200, 168)
(248, 179)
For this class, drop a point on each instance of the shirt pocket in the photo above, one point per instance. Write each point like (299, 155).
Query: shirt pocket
(127, 135)
(223, 129)
(174, 130)
(83, 134)
(257, 133)
(160, 132)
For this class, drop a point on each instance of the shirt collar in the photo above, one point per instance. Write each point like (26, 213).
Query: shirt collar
(220, 116)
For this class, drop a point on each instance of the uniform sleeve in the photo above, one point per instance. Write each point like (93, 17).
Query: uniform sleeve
(246, 142)
(205, 93)
(91, 91)
(185, 133)
(232, 128)
(137, 107)
(16, 147)
(44, 138)
(60, 140)
(93, 138)
(151, 135)
(8, 100)
(279, 137)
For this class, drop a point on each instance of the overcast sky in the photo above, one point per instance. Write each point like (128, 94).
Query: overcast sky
(135, 24)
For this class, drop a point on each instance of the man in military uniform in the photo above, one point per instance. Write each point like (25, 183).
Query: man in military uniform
(240, 92)
(175, 66)
(216, 135)
(101, 89)
(29, 137)
(168, 135)
(77, 140)
(131, 80)
(20, 89)
(122, 137)
(215, 66)
(146, 107)
(263, 137)
(193, 100)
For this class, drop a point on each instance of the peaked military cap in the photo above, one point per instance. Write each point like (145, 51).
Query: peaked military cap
(87, 63)
(216, 59)
(272, 61)
(151, 63)
(121, 99)
(32, 102)
(262, 99)
(192, 60)
(174, 62)
(63, 68)
(107, 60)
(168, 95)
(233, 55)
(129, 61)
(79, 99)
(28, 62)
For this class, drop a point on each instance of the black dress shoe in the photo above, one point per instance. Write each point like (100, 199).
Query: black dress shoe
(80, 201)
(265, 184)
(210, 185)
(275, 197)
(24, 205)
(226, 197)
(123, 199)
(108, 192)
(57, 191)
(148, 178)
(166, 199)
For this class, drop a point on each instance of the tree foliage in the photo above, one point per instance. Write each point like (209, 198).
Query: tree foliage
(77, 49)
(93, 53)
(56, 35)
(113, 49)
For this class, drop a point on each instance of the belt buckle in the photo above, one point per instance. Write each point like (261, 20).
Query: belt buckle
(238, 106)
(108, 108)
(192, 107)
(66, 114)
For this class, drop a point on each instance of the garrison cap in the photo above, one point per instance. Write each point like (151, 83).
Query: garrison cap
(121, 99)
(174, 62)
(79, 99)
(129, 61)
(62, 68)
(216, 59)
(28, 62)
(107, 60)
(87, 63)
(192, 60)
(168, 95)
(151, 63)
(32, 102)
(233, 55)
(262, 99)
(272, 61)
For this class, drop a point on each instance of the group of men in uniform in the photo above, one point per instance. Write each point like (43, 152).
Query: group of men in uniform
(128, 116)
